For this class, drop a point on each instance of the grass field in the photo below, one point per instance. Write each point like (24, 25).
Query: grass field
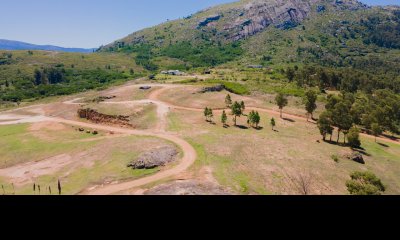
(43, 153)
(263, 161)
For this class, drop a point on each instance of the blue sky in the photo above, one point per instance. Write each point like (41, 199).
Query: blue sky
(91, 23)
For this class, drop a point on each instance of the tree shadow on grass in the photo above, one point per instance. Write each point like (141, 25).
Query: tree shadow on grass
(241, 127)
(259, 128)
(289, 120)
(226, 126)
(391, 137)
(275, 130)
(362, 151)
(383, 145)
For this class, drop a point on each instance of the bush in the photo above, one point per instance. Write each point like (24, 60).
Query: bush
(365, 183)
(335, 158)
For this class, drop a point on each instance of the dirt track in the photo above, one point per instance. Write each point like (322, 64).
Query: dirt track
(189, 153)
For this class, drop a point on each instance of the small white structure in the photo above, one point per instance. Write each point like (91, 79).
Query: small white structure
(173, 72)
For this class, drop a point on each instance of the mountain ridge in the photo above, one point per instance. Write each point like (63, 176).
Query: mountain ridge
(18, 45)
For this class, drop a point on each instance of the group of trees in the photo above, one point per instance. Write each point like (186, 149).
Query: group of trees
(377, 112)
(349, 80)
(54, 81)
(237, 110)
(49, 76)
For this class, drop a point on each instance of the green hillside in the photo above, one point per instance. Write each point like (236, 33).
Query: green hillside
(36, 74)
(330, 44)
(336, 35)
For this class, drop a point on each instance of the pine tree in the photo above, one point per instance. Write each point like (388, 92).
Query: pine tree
(236, 111)
(281, 101)
(310, 102)
(325, 124)
(243, 106)
(224, 118)
(206, 112)
(273, 123)
(228, 101)
(210, 114)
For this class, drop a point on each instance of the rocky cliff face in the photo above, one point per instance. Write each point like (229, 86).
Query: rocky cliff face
(257, 15)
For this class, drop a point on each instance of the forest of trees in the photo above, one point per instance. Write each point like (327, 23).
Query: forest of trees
(349, 80)
(53, 81)
(376, 112)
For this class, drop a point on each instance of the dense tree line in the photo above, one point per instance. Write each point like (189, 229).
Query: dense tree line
(58, 81)
(349, 80)
(376, 112)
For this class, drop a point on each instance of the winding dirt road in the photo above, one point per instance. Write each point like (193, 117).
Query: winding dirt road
(189, 153)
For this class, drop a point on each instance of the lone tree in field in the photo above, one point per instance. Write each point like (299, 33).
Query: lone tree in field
(224, 118)
(34, 188)
(354, 137)
(310, 102)
(376, 130)
(236, 111)
(281, 101)
(254, 119)
(2, 187)
(365, 183)
(243, 106)
(208, 113)
(325, 125)
(273, 123)
(228, 101)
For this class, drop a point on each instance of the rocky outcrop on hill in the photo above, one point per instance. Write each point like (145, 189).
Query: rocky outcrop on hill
(208, 20)
(155, 158)
(96, 117)
(236, 21)
(284, 14)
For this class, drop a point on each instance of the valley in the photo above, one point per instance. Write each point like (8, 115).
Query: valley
(238, 160)
(253, 97)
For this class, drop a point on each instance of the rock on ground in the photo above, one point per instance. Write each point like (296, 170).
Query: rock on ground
(155, 158)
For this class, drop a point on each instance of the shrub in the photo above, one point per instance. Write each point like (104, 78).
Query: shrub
(365, 183)
(335, 158)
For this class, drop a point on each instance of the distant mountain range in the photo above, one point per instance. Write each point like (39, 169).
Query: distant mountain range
(16, 45)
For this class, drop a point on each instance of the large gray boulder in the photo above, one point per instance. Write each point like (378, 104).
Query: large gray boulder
(155, 158)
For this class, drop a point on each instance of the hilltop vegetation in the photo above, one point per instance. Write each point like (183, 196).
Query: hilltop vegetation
(36, 74)
(329, 36)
